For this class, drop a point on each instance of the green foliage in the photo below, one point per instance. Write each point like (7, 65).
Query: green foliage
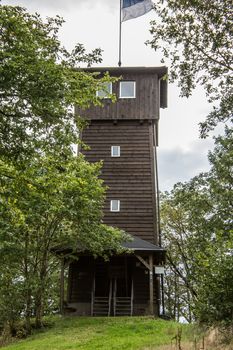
(46, 204)
(49, 197)
(40, 82)
(197, 225)
(216, 286)
(196, 38)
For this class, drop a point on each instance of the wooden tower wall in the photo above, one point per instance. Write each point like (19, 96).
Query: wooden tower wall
(151, 95)
(131, 177)
(145, 106)
(132, 124)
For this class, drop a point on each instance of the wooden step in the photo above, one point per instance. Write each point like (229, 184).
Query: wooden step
(123, 306)
(101, 306)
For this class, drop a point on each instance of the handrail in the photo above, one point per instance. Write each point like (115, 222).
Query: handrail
(109, 298)
(132, 297)
(114, 297)
(93, 296)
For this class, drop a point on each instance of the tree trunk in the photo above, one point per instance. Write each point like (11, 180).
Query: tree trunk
(28, 312)
(39, 302)
(39, 312)
(27, 287)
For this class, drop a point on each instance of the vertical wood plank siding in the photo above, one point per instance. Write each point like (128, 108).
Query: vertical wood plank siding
(130, 177)
(146, 105)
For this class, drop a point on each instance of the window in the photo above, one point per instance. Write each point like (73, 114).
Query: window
(127, 89)
(115, 151)
(107, 89)
(115, 205)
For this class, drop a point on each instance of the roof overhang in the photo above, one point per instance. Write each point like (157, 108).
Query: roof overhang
(138, 244)
(135, 244)
(160, 71)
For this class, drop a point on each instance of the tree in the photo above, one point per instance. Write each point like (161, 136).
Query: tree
(49, 204)
(40, 82)
(49, 196)
(196, 37)
(186, 232)
(197, 226)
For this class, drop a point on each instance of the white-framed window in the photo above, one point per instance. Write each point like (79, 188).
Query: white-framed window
(115, 151)
(115, 205)
(105, 91)
(127, 89)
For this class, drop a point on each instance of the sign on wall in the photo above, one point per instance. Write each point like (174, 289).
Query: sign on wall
(159, 270)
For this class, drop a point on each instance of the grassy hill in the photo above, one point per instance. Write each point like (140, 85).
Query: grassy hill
(121, 333)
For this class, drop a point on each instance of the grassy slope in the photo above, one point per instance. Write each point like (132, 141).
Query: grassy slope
(131, 333)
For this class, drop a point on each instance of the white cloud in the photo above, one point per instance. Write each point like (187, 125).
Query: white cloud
(178, 165)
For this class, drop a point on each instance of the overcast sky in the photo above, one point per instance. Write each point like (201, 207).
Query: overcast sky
(182, 154)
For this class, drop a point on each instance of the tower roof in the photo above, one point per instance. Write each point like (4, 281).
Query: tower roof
(160, 71)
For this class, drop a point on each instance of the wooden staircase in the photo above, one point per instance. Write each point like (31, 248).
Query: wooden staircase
(112, 305)
(101, 306)
(122, 306)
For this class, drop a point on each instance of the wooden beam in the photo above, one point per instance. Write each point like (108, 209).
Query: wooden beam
(93, 295)
(114, 297)
(151, 280)
(110, 298)
(132, 297)
(143, 262)
(151, 284)
(62, 286)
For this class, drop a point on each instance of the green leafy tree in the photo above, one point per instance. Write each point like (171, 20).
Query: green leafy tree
(215, 286)
(185, 232)
(40, 82)
(48, 195)
(49, 203)
(196, 38)
(197, 227)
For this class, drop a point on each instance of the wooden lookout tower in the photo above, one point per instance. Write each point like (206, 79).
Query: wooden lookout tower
(124, 135)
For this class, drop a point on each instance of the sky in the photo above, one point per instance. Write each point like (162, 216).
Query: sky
(95, 23)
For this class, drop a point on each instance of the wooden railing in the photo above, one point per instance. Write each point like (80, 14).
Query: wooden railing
(114, 297)
(132, 297)
(110, 298)
(121, 305)
(93, 297)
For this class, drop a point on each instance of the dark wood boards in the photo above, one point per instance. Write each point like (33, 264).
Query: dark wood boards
(113, 279)
(130, 177)
(80, 280)
(132, 124)
(145, 105)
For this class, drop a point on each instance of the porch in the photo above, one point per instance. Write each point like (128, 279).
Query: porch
(124, 285)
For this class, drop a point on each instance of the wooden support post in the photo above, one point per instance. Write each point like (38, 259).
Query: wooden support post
(114, 297)
(132, 297)
(110, 298)
(150, 267)
(151, 284)
(93, 296)
(62, 286)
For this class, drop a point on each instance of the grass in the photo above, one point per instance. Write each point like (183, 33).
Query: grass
(84, 333)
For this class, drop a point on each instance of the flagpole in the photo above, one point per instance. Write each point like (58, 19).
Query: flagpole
(119, 62)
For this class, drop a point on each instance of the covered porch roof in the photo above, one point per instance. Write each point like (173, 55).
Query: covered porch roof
(138, 244)
(135, 244)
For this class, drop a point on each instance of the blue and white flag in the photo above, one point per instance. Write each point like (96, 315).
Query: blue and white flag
(134, 8)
